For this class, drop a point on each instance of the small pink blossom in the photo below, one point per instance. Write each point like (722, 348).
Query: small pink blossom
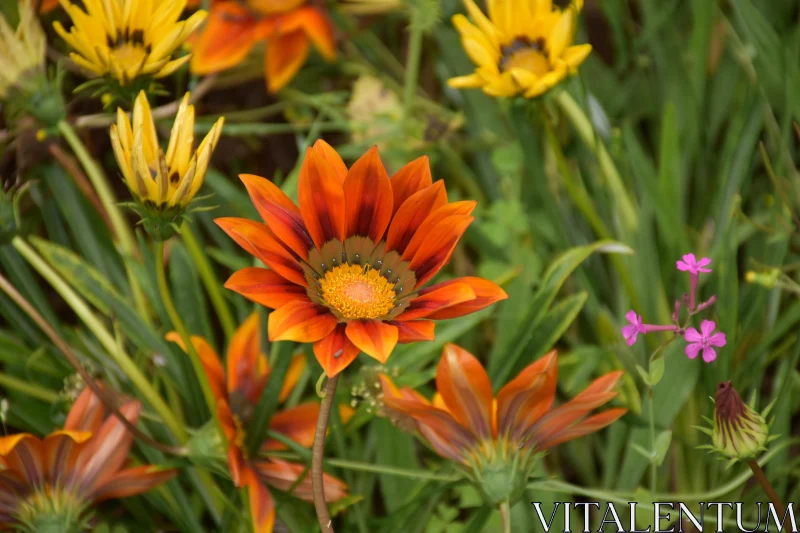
(634, 327)
(704, 340)
(692, 265)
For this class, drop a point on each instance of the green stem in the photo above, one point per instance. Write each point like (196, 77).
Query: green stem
(505, 514)
(120, 226)
(28, 389)
(586, 131)
(391, 470)
(653, 459)
(209, 280)
(174, 317)
(84, 312)
(412, 66)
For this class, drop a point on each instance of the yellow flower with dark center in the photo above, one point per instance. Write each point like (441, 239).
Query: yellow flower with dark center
(156, 179)
(128, 39)
(523, 47)
(21, 51)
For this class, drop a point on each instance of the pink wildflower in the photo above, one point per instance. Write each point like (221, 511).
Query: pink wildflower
(692, 265)
(704, 340)
(635, 326)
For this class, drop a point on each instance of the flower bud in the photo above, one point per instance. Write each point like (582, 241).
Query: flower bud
(739, 431)
(206, 448)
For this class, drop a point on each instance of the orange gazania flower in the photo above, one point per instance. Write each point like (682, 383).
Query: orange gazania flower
(70, 469)
(237, 395)
(347, 268)
(498, 438)
(288, 27)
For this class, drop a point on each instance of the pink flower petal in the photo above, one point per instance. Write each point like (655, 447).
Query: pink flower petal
(703, 262)
(692, 350)
(683, 266)
(718, 339)
(707, 327)
(692, 335)
(709, 354)
(632, 339)
(629, 330)
(632, 317)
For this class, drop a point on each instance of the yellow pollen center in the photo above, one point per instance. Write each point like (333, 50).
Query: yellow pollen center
(523, 53)
(130, 55)
(357, 291)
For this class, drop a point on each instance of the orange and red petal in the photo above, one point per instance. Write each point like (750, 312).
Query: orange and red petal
(105, 454)
(298, 423)
(368, 197)
(335, 352)
(585, 427)
(131, 481)
(283, 476)
(486, 293)
(265, 287)
(374, 338)
(247, 366)
(438, 245)
(296, 367)
(465, 389)
(412, 178)
(300, 321)
(47, 5)
(259, 241)
(435, 298)
(326, 151)
(229, 34)
(321, 199)
(209, 359)
(286, 53)
(524, 400)
(262, 506)
(312, 22)
(22, 455)
(412, 214)
(464, 207)
(86, 414)
(59, 450)
(406, 393)
(414, 330)
(279, 213)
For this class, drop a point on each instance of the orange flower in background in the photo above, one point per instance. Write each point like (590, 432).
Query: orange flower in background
(55, 479)
(347, 268)
(288, 27)
(237, 395)
(498, 438)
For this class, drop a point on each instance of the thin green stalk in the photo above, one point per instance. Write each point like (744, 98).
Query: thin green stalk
(174, 317)
(412, 65)
(209, 281)
(586, 131)
(122, 359)
(505, 514)
(121, 227)
(653, 461)
(28, 389)
(392, 471)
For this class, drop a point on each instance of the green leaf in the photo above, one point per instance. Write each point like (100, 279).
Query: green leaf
(663, 441)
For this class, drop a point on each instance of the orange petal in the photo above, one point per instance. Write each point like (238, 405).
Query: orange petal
(279, 213)
(22, 455)
(131, 481)
(412, 178)
(374, 338)
(414, 330)
(335, 352)
(59, 450)
(368, 198)
(283, 476)
(298, 423)
(237, 466)
(262, 507)
(296, 367)
(406, 393)
(412, 214)
(527, 397)
(321, 199)
(209, 359)
(314, 23)
(486, 293)
(47, 5)
(285, 55)
(326, 151)
(438, 246)
(258, 240)
(587, 426)
(107, 451)
(230, 32)
(466, 389)
(437, 297)
(271, 7)
(265, 287)
(454, 208)
(86, 413)
(247, 365)
(300, 321)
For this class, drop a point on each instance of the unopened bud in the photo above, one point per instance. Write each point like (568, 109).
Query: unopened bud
(739, 431)
(708, 303)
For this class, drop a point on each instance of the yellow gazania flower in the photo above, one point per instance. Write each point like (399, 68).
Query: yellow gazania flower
(158, 180)
(21, 51)
(126, 39)
(523, 47)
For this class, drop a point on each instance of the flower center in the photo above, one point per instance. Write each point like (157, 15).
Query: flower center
(129, 48)
(357, 291)
(525, 54)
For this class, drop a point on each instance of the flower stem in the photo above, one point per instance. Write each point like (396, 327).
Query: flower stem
(412, 66)
(142, 384)
(761, 477)
(119, 225)
(653, 462)
(209, 280)
(318, 455)
(174, 317)
(505, 514)
(28, 389)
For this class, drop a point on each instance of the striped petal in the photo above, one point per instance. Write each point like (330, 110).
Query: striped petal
(132, 481)
(247, 365)
(104, 455)
(436, 297)
(335, 352)
(486, 293)
(453, 208)
(321, 199)
(262, 506)
(86, 413)
(374, 338)
(410, 179)
(412, 214)
(22, 454)
(466, 389)
(368, 198)
(414, 330)
(265, 287)
(300, 321)
(438, 246)
(284, 476)
(522, 401)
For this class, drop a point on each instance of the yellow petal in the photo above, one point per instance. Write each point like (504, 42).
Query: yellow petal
(575, 55)
(466, 82)
(561, 35)
(486, 26)
(502, 85)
